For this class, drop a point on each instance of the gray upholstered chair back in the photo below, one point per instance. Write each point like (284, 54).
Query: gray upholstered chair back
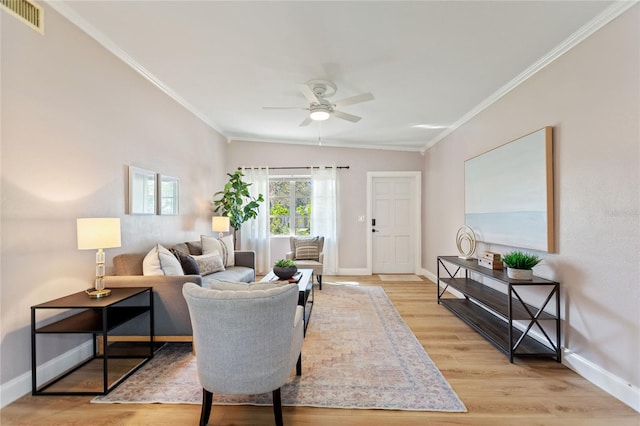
(245, 340)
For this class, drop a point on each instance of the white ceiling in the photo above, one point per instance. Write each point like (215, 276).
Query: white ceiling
(433, 63)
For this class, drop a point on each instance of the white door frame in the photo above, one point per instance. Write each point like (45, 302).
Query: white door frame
(417, 180)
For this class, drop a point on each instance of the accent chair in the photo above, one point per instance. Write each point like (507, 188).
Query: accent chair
(247, 339)
(307, 253)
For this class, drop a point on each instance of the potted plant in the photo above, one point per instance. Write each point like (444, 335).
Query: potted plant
(236, 202)
(285, 268)
(520, 265)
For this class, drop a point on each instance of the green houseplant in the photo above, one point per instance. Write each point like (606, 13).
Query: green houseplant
(285, 268)
(236, 202)
(520, 265)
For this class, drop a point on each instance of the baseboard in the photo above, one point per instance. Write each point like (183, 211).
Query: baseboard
(431, 276)
(605, 380)
(608, 382)
(21, 385)
(365, 271)
(354, 271)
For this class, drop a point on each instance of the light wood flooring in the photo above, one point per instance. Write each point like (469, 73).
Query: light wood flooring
(495, 392)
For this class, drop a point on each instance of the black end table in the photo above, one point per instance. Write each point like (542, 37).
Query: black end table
(96, 317)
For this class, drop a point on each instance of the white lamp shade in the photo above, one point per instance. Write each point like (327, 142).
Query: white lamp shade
(220, 224)
(98, 232)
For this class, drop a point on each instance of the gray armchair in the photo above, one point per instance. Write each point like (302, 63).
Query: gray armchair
(307, 253)
(247, 339)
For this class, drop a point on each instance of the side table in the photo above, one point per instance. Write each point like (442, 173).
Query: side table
(96, 317)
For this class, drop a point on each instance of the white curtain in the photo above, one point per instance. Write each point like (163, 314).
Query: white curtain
(324, 214)
(255, 232)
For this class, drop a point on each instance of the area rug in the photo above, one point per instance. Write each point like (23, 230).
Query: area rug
(408, 277)
(358, 353)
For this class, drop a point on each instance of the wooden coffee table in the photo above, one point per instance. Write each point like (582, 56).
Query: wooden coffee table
(305, 292)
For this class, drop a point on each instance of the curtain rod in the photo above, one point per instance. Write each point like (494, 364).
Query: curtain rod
(301, 167)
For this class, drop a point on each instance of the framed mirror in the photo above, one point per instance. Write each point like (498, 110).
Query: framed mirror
(168, 195)
(142, 191)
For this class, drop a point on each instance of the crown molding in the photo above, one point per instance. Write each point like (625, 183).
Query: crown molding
(107, 43)
(606, 16)
(609, 14)
(328, 144)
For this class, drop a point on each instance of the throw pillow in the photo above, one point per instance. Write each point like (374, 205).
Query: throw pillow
(195, 247)
(209, 263)
(188, 263)
(183, 247)
(211, 245)
(228, 251)
(307, 249)
(160, 261)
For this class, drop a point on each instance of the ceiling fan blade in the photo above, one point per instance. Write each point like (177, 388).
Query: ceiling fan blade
(308, 93)
(306, 122)
(345, 116)
(284, 108)
(354, 100)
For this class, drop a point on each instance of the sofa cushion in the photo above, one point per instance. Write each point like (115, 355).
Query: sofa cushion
(128, 264)
(232, 274)
(209, 263)
(160, 261)
(188, 263)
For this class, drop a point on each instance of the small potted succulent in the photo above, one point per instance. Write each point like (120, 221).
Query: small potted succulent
(285, 269)
(520, 265)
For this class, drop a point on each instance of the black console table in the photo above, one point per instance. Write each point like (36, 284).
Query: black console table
(492, 313)
(96, 317)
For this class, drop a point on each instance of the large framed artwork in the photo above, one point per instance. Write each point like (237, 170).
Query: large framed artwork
(509, 193)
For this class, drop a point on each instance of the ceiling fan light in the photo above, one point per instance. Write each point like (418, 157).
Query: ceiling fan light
(319, 115)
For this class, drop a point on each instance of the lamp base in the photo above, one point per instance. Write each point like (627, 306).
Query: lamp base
(97, 294)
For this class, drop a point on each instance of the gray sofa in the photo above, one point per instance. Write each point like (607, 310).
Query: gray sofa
(171, 316)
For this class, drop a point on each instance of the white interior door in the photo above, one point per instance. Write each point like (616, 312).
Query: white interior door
(393, 219)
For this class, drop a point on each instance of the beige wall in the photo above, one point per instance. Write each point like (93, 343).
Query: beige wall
(73, 118)
(352, 244)
(591, 97)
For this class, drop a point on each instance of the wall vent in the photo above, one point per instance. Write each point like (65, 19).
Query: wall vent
(27, 11)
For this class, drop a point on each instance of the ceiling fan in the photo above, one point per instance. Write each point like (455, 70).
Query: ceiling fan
(320, 108)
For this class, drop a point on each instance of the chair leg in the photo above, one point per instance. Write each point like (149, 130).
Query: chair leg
(299, 365)
(277, 407)
(207, 400)
(320, 281)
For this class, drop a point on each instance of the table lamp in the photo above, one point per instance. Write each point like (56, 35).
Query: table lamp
(220, 224)
(98, 233)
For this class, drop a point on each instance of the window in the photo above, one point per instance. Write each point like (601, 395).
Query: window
(290, 205)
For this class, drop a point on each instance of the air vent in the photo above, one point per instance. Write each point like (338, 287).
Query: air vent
(27, 11)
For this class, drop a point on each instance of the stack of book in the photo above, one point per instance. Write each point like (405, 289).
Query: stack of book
(491, 260)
